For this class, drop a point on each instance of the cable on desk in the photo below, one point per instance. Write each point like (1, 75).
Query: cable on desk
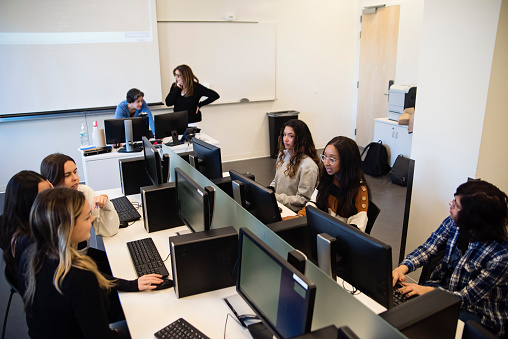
(226, 324)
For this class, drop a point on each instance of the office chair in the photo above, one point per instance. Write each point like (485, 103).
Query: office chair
(14, 289)
(372, 213)
(473, 330)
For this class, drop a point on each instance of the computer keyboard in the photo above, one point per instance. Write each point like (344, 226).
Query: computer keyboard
(180, 329)
(146, 257)
(126, 212)
(399, 298)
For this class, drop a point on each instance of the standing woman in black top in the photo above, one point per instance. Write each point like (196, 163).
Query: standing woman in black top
(186, 92)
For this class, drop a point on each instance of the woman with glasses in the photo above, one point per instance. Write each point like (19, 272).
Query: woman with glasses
(297, 167)
(475, 262)
(342, 190)
(186, 92)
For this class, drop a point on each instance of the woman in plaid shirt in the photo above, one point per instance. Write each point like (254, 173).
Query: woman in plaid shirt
(475, 262)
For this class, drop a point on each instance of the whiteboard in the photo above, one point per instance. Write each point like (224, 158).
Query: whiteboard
(237, 60)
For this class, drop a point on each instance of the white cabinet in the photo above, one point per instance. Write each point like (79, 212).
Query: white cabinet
(394, 136)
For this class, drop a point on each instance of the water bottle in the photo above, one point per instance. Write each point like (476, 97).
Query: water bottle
(83, 135)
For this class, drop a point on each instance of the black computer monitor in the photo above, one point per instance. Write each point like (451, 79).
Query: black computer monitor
(257, 199)
(281, 296)
(170, 125)
(361, 260)
(194, 203)
(206, 159)
(115, 129)
(153, 165)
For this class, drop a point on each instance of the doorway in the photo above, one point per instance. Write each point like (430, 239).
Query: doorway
(377, 64)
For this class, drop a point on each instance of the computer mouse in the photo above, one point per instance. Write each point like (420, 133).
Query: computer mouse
(123, 224)
(166, 283)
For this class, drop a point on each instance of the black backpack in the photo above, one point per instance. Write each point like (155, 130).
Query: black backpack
(376, 160)
(400, 171)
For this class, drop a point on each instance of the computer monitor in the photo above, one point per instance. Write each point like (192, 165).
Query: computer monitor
(115, 129)
(281, 296)
(361, 260)
(257, 199)
(194, 203)
(153, 165)
(170, 125)
(206, 159)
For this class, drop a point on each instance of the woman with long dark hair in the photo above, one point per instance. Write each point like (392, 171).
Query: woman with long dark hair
(342, 190)
(297, 166)
(15, 235)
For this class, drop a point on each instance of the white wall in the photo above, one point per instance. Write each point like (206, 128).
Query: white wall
(493, 162)
(455, 62)
(316, 58)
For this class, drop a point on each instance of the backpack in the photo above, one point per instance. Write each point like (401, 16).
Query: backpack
(400, 171)
(376, 161)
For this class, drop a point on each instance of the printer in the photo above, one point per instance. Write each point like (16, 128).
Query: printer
(400, 98)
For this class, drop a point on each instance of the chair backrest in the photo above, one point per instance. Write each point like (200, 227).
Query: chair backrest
(372, 213)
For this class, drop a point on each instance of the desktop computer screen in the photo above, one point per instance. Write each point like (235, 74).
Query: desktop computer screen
(257, 199)
(361, 260)
(170, 125)
(281, 296)
(153, 166)
(207, 159)
(194, 203)
(115, 129)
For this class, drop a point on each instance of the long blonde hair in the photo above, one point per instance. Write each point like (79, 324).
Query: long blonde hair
(52, 221)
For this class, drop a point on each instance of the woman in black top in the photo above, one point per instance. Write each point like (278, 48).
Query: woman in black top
(21, 191)
(186, 92)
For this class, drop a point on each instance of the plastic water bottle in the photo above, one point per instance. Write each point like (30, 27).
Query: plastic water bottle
(83, 135)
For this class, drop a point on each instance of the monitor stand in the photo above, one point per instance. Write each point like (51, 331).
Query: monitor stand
(260, 331)
(174, 141)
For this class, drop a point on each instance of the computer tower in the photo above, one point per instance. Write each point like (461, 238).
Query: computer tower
(159, 207)
(431, 315)
(133, 175)
(203, 261)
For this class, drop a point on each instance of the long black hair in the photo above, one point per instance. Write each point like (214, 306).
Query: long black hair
(350, 178)
(20, 194)
(484, 211)
(52, 167)
(303, 146)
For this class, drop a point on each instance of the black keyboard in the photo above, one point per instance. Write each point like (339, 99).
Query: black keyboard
(180, 329)
(399, 298)
(126, 212)
(146, 258)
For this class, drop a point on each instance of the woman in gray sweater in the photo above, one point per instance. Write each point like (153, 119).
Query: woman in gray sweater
(297, 166)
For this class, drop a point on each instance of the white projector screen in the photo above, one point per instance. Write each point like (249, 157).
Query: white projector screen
(76, 54)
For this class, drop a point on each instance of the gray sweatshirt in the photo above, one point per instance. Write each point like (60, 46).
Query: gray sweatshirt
(295, 192)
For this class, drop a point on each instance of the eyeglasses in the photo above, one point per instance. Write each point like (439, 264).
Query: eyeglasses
(453, 204)
(331, 161)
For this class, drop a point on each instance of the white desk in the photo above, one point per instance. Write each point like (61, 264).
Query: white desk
(102, 170)
(149, 311)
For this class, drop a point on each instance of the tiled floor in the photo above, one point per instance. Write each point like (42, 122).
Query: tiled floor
(388, 197)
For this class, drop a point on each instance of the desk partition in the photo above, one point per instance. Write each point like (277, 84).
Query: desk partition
(334, 305)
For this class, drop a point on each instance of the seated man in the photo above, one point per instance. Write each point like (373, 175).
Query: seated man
(134, 106)
(475, 263)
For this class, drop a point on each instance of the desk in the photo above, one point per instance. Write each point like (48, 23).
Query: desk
(102, 170)
(149, 311)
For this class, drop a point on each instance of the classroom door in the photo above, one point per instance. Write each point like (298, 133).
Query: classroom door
(378, 57)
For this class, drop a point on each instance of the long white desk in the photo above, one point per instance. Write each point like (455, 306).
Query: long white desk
(147, 312)
(102, 170)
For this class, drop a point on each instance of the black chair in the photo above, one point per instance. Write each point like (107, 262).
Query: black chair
(372, 213)
(14, 289)
(473, 330)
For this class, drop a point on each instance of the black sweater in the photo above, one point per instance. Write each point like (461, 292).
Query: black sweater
(190, 103)
(79, 313)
